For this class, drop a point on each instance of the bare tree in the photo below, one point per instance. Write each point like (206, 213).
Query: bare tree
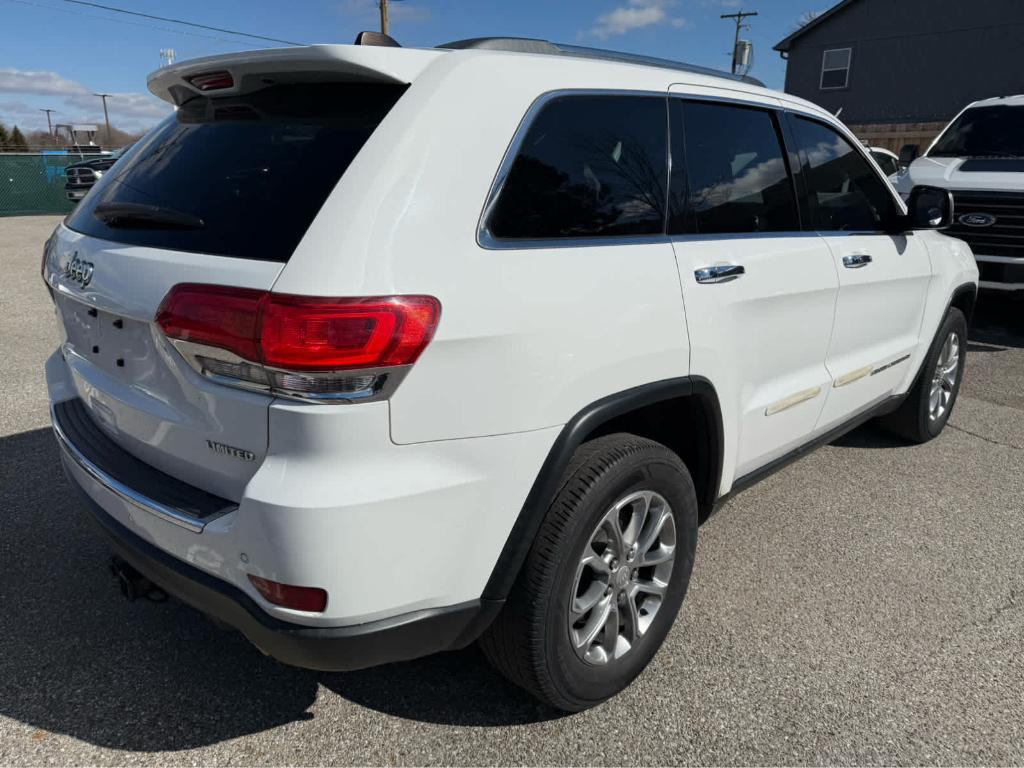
(806, 18)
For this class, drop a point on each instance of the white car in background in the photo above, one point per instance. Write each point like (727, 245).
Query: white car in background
(888, 161)
(369, 358)
(979, 157)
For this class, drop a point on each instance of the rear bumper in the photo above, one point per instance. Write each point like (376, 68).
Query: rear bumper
(388, 531)
(86, 453)
(333, 649)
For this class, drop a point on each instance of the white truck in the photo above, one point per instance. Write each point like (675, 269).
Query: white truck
(979, 157)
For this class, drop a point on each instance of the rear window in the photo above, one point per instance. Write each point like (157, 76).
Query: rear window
(255, 169)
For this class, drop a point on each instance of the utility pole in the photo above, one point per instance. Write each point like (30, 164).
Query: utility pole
(739, 17)
(106, 117)
(167, 56)
(49, 123)
(385, 21)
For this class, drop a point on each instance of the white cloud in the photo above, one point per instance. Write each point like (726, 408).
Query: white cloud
(73, 102)
(130, 105)
(635, 14)
(25, 81)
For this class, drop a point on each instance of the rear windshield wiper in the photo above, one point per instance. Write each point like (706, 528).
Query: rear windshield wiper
(141, 216)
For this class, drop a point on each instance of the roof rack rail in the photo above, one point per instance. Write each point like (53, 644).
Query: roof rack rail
(533, 45)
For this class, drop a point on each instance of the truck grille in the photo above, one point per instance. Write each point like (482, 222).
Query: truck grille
(1003, 238)
(80, 175)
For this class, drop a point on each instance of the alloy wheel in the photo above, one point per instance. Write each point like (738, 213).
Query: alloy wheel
(621, 577)
(944, 377)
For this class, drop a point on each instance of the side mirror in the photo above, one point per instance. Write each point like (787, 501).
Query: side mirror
(908, 154)
(930, 208)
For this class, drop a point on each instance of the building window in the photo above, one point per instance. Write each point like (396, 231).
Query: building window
(835, 68)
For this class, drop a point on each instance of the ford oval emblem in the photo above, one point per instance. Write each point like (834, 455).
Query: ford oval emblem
(977, 219)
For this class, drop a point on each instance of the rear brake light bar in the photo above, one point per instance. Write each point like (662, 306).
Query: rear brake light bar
(212, 81)
(304, 347)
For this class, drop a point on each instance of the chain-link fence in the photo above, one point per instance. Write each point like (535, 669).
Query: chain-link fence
(33, 183)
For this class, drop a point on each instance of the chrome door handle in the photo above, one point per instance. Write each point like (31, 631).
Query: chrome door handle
(856, 260)
(719, 273)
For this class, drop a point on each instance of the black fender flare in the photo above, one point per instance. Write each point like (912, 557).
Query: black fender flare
(573, 434)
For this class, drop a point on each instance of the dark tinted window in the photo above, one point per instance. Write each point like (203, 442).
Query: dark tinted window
(728, 171)
(887, 163)
(588, 166)
(984, 131)
(256, 169)
(845, 191)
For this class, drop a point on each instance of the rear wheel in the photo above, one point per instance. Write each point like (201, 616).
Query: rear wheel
(605, 577)
(929, 404)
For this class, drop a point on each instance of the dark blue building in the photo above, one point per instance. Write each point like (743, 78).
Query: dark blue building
(906, 61)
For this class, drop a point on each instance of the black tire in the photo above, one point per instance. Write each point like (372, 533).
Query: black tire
(912, 420)
(529, 642)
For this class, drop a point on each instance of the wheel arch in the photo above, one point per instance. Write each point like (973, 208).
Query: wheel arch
(682, 413)
(964, 298)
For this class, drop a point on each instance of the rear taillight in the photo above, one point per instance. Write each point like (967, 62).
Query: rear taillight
(214, 316)
(46, 255)
(299, 346)
(302, 334)
(311, 599)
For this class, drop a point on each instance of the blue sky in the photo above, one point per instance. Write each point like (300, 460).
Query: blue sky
(56, 54)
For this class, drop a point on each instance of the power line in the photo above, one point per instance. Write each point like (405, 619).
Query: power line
(180, 21)
(108, 19)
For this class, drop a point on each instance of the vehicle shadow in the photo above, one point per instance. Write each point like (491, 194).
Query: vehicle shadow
(869, 435)
(76, 658)
(458, 688)
(998, 321)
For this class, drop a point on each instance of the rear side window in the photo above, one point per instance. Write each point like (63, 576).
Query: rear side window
(729, 174)
(845, 192)
(588, 166)
(248, 173)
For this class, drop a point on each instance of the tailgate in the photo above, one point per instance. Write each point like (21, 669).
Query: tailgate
(136, 387)
(218, 194)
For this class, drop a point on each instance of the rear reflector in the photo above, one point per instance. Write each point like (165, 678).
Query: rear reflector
(212, 81)
(301, 345)
(311, 599)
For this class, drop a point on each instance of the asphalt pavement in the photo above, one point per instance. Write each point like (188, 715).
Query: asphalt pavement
(864, 605)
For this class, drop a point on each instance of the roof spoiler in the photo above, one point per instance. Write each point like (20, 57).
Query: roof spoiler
(238, 73)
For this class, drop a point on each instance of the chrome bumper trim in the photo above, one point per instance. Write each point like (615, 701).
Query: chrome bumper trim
(119, 489)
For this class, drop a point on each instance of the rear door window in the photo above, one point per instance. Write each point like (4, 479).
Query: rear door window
(845, 192)
(729, 173)
(247, 174)
(588, 166)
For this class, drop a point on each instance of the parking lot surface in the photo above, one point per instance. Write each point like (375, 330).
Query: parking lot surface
(864, 605)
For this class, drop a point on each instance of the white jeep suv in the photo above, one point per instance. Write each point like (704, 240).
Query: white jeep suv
(371, 352)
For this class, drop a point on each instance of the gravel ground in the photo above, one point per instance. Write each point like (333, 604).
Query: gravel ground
(861, 606)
